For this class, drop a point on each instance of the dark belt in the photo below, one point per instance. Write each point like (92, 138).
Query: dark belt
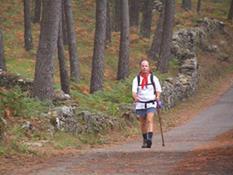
(146, 102)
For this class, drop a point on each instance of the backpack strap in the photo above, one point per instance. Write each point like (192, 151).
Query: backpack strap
(138, 78)
(151, 79)
(152, 82)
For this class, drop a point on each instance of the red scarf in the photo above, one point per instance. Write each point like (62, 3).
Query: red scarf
(144, 79)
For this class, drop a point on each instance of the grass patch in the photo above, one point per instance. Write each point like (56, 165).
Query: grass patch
(19, 105)
(63, 140)
(92, 139)
(105, 101)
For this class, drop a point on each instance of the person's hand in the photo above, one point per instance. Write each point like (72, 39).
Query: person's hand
(136, 99)
(159, 104)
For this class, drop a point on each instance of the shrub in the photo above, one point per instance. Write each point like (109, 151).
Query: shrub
(19, 104)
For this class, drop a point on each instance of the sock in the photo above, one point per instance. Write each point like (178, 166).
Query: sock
(149, 136)
(144, 135)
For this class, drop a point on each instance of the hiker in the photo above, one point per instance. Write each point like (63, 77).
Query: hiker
(146, 91)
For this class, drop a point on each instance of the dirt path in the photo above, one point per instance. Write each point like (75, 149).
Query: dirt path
(190, 148)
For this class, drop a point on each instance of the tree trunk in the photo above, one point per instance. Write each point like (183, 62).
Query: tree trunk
(64, 25)
(230, 14)
(97, 73)
(146, 19)
(2, 57)
(165, 51)
(108, 25)
(117, 16)
(27, 26)
(74, 62)
(123, 64)
(37, 11)
(198, 6)
(134, 10)
(64, 79)
(43, 81)
(157, 39)
(187, 4)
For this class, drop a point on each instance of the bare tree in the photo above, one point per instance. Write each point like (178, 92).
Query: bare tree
(230, 14)
(198, 6)
(157, 38)
(64, 78)
(97, 73)
(43, 80)
(187, 4)
(74, 61)
(37, 11)
(2, 57)
(145, 27)
(165, 51)
(27, 26)
(123, 64)
(134, 11)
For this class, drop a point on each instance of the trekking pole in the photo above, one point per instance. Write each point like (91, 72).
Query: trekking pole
(160, 123)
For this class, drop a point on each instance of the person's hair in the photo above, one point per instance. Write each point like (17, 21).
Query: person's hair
(143, 59)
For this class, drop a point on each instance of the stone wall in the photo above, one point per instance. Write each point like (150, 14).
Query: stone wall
(8, 80)
(184, 45)
(70, 119)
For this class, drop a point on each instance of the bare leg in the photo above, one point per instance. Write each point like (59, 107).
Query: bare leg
(149, 122)
(143, 124)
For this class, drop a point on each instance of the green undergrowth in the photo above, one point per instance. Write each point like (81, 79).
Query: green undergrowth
(16, 109)
(20, 105)
(64, 140)
(105, 101)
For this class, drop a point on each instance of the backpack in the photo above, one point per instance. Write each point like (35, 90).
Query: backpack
(151, 79)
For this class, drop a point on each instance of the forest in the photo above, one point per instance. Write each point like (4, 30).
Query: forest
(84, 54)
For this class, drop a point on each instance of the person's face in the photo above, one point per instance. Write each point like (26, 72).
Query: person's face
(145, 66)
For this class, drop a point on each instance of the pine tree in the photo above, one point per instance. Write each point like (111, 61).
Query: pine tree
(43, 80)
(2, 57)
(97, 73)
(27, 26)
(123, 64)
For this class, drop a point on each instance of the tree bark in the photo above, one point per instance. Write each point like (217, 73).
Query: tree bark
(187, 4)
(2, 57)
(146, 19)
(27, 26)
(43, 80)
(108, 25)
(165, 52)
(134, 11)
(117, 16)
(64, 25)
(157, 38)
(123, 64)
(74, 61)
(230, 14)
(37, 11)
(64, 78)
(198, 6)
(97, 73)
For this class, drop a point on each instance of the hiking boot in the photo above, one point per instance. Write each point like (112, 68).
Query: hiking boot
(144, 144)
(148, 143)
